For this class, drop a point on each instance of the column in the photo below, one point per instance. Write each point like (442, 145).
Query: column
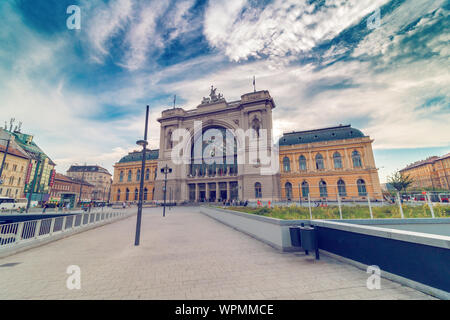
(206, 191)
(197, 192)
(347, 160)
(328, 167)
(228, 190)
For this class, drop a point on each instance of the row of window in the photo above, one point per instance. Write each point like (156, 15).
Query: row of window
(9, 192)
(14, 167)
(323, 190)
(320, 164)
(136, 194)
(138, 175)
(11, 181)
(342, 190)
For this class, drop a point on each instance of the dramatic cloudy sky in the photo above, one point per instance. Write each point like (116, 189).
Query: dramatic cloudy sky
(82, 93)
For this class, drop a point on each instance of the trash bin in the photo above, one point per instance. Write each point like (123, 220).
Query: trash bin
(308, 240)
(295, 236)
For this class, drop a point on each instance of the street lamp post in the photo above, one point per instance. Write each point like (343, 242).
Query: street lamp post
(81, 184)
(142, 143)
(165, 170)
(33, 183)
(4, 157)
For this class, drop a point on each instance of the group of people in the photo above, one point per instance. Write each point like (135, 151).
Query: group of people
(259, 203)
(234, 203)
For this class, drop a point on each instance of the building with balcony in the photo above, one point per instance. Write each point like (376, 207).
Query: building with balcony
(12, 180)
(40, 168)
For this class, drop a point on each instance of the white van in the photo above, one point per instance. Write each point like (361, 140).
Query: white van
(13, 204)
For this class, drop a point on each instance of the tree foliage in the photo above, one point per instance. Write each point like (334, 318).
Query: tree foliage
(400, 181)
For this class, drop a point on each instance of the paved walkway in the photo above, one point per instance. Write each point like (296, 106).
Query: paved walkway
(185, 255)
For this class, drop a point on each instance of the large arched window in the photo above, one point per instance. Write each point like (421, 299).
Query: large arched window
(153, 193)
(147, 174)
(286, 164)
(362, 191)
(302, 162)
(341, 188)
(136, 194)
(288, 190)
(319, 162)
(337, 159)
(127, 194)
(145, 193)
(212, 150)
(323, 188)
(118, 195)
(305, 189)
(138, 175)
(258, 191)
(121, 176)
(129, 175)
(356, 157)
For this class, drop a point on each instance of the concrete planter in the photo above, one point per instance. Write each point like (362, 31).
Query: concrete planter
(274, 232)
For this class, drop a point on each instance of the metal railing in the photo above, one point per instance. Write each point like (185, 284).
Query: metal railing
(12, 234)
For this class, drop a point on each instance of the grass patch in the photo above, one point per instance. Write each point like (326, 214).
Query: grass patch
(294, 212)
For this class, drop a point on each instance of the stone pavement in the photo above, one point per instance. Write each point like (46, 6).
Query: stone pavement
(185, 255)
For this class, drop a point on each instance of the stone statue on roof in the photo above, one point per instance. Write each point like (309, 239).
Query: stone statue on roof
(213, 97)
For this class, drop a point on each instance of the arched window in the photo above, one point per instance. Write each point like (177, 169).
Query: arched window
(121, 176)
(302, 162)
(138, 175)
(361, 188)
(136, 194)
(145, 193)
(129, 175)
(127, 194)
(147, 174)
(356, 157)
(288, 189)
(153, 193)
(286, 164)
(305, 189)
(323, 188)
(118, 194)
(319, 162)
(156, 172)
(337, 159)
(341, 188)
(258, 191)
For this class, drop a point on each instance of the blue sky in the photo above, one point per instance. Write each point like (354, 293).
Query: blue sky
(82, 93)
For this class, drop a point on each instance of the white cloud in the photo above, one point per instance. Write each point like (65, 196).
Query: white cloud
(281, 29)
(105, 21)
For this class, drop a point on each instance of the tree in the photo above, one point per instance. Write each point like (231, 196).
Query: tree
(399, 181)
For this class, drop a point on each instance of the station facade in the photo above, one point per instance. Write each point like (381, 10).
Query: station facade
(229, 155)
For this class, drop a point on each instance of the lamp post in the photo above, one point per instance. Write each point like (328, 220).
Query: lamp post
(4, 157)
(165, 170)
(81, 184)
(33, 183)
(143, 144)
